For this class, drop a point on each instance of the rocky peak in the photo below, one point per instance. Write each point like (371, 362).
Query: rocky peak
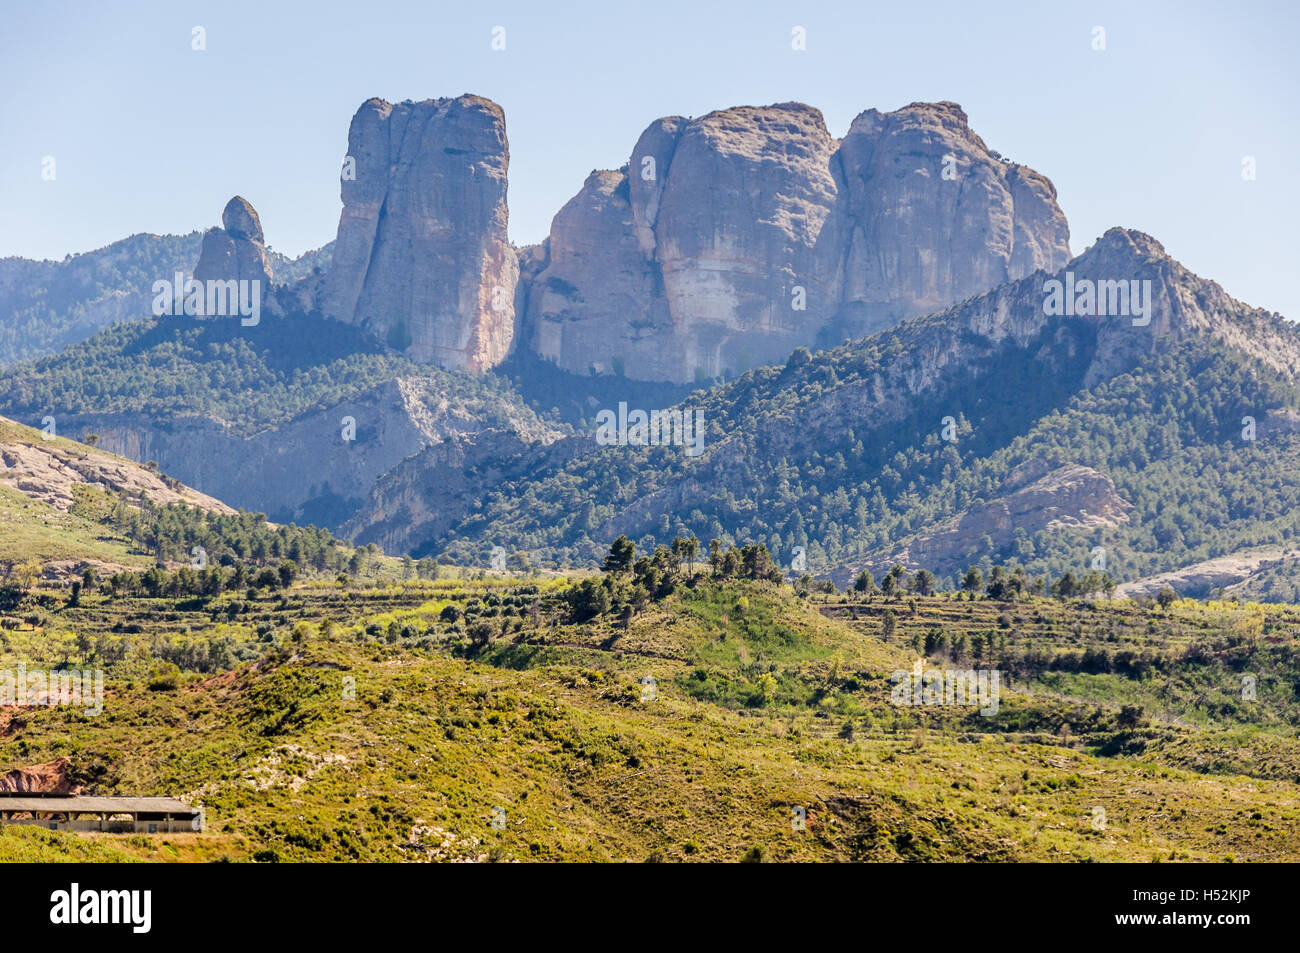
(929, 215)
(729, 240)
(237, 249)
(422, 258)
(1180, 305)
(240, 220)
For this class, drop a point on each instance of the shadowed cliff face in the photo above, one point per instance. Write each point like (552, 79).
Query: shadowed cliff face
(422, 259)
(728, 241)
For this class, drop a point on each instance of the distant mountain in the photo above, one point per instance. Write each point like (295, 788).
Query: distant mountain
(47, 305)
(1114, 413)
(1076, 440)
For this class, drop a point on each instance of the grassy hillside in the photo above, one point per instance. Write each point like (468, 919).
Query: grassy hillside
(46, 487)
(400, 722)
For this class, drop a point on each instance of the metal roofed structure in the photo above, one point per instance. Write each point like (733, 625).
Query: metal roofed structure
(144, 815)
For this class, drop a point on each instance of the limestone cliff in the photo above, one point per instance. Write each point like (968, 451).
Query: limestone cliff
(321, 465)
(930, 216)
(729, 240)
(422, 259)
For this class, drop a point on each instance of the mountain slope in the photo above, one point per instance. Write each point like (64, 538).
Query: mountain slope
(295, 417)
(45, 486)
(844, 453)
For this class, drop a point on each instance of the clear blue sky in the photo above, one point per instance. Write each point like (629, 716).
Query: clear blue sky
(152, 136)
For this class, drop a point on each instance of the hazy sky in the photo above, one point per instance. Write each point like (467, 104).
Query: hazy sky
(149, 135)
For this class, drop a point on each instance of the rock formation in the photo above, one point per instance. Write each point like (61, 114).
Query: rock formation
(422, 259)
(309, 468)
(699, 256)
(729, 240)
(1199, 580)
(53, 472)
(1066, 497)
(236, 250)
(52, 777)
(930, 216)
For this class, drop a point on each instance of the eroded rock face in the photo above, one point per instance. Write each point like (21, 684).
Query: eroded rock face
(422, 258)
(930, 216)
(53, 471)
(237, 250)
(1199, 580)
(428, 493)
(728, 241)
(1067, 497)
(321, 465)
(52, 777)
(619, 322)
(699, 256)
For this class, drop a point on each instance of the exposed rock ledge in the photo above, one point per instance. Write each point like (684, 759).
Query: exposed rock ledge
(1065, 497)
(1200, 579)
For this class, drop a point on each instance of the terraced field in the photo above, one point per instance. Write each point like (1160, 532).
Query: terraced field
(469, 719)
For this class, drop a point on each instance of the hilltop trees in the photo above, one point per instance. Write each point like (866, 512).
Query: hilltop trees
(630, 583)
(173, 532)
(620, 555)
(1082, 586)
(158, 583)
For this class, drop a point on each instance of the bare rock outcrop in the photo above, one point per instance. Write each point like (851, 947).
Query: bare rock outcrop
(698, 257)
(1199, 580)
(422, 258)
(51, 470)
(320, 465)
(428, 493)
(236, 250)
(52, 777)
(1065, 497)
(729, 240)
(929, 216)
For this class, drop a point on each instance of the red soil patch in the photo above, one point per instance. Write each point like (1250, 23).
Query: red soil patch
(48, 778)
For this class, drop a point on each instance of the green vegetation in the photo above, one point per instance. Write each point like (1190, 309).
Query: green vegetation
(173, 532)
(251, 378)
(850, 491)
(46, 306)
(685, 721)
